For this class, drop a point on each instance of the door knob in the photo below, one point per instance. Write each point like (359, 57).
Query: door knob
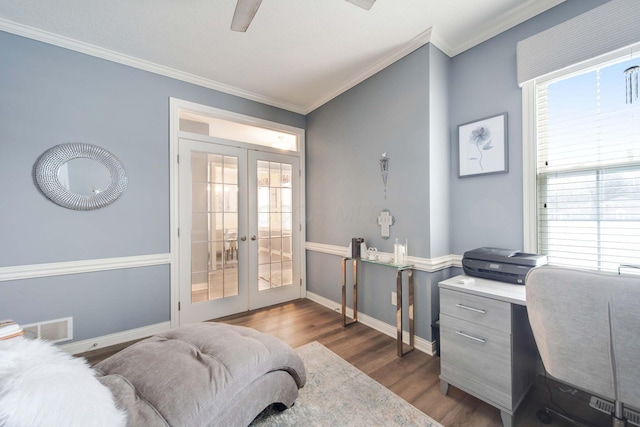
(253, 237)
(243, 238)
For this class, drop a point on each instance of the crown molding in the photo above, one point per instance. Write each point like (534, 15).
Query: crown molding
(498, 25)
(120, 58)
(404, 50)
(506, 21)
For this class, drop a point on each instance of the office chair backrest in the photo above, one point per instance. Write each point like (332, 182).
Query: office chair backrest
(587, 329)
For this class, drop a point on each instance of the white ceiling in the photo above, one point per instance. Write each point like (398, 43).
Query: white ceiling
(297, 54)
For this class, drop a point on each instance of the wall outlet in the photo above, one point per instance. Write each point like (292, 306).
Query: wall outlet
(394, 298)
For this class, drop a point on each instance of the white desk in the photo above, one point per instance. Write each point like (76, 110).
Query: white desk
(486, 345)
(515, 294)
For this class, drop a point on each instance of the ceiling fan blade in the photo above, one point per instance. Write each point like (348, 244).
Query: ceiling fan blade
(365, 4)
(244, 13)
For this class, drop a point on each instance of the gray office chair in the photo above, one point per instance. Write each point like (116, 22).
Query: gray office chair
(587, 329)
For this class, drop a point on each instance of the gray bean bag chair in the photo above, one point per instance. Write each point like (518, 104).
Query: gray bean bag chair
(205, 374)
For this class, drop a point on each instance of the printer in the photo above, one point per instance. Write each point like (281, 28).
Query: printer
(505, 265)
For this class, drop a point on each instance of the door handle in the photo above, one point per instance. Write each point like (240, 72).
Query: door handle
(243, 238)
(253, 237)
(471, 337)
(466, 307)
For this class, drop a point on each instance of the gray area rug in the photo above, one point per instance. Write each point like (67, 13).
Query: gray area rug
(338, 394)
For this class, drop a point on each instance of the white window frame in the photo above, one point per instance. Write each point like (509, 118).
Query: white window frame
(530, 138)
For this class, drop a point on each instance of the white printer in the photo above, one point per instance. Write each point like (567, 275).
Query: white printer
(505, 265)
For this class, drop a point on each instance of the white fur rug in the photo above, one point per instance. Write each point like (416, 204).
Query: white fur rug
(42, 386)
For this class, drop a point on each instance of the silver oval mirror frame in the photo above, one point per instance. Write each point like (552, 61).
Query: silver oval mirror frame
(47, 178)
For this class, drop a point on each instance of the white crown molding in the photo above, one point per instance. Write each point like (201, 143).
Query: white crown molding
(439, 42)
(429, 265)
(113, 339)
(86, 266)
(421, 344)
(506, 21)
(120, 58)
(413, 44)
(500, 24)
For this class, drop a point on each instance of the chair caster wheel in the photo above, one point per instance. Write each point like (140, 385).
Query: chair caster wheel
(543, 416)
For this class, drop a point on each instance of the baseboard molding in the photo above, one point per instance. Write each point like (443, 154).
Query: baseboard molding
(421, 344)
(32, 271)
(113, 339)
(429, 265)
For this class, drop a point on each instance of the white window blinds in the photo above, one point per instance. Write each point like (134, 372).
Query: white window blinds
(588, 179)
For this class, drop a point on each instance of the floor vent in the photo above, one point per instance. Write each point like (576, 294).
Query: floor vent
(51, 330)
(607, 407)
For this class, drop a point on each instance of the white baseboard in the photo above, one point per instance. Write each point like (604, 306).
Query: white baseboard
(421, 344)
(113, 339)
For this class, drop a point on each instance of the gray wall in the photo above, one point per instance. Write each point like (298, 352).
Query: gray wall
(390, 112)
(487, 210)
(52, 96)
(421, 100)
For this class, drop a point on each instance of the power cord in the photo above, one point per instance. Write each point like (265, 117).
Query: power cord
(544, 416)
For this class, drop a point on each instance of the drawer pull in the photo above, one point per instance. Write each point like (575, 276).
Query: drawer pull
(482, 340)
(477, 310)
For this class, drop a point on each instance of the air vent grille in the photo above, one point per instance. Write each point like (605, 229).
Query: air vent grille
(51, 330)
(607, 407)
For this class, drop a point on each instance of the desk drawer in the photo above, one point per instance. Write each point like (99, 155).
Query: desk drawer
(480, 310)
(477, 359)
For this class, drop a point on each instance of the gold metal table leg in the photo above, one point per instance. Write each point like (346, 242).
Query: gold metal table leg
(344, 292)
(411, 320)
(399, 311)
(399, 319)
(355, 291)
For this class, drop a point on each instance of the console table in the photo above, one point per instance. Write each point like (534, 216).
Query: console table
(486, 344)
(399, 301)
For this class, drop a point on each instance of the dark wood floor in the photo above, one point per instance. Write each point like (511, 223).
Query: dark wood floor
(413, 377)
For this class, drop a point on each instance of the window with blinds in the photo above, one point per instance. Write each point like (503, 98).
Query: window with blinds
(588, 171)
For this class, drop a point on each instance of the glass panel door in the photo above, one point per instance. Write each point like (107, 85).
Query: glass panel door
(226, 195)
(273, 212)
(212, 210)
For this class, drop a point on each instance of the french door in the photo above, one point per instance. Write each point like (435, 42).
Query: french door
(239, 229)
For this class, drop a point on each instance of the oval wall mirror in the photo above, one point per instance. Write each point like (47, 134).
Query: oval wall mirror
(80, 176)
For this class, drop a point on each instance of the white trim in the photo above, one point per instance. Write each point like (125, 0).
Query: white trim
(231, 116)
(501, 24)
(504, 22)
(428, 347)
(85, 266)
(404, 50)
(120, 58)
(174, 212)
(529, 168)
(327, 249)
(430, 265)
(113, 339)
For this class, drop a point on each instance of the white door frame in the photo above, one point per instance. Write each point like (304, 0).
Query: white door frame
(177, 105)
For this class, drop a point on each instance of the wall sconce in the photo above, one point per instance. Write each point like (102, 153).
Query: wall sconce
(384, 170)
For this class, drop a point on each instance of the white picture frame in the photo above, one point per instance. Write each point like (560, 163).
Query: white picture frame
(483, 147)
